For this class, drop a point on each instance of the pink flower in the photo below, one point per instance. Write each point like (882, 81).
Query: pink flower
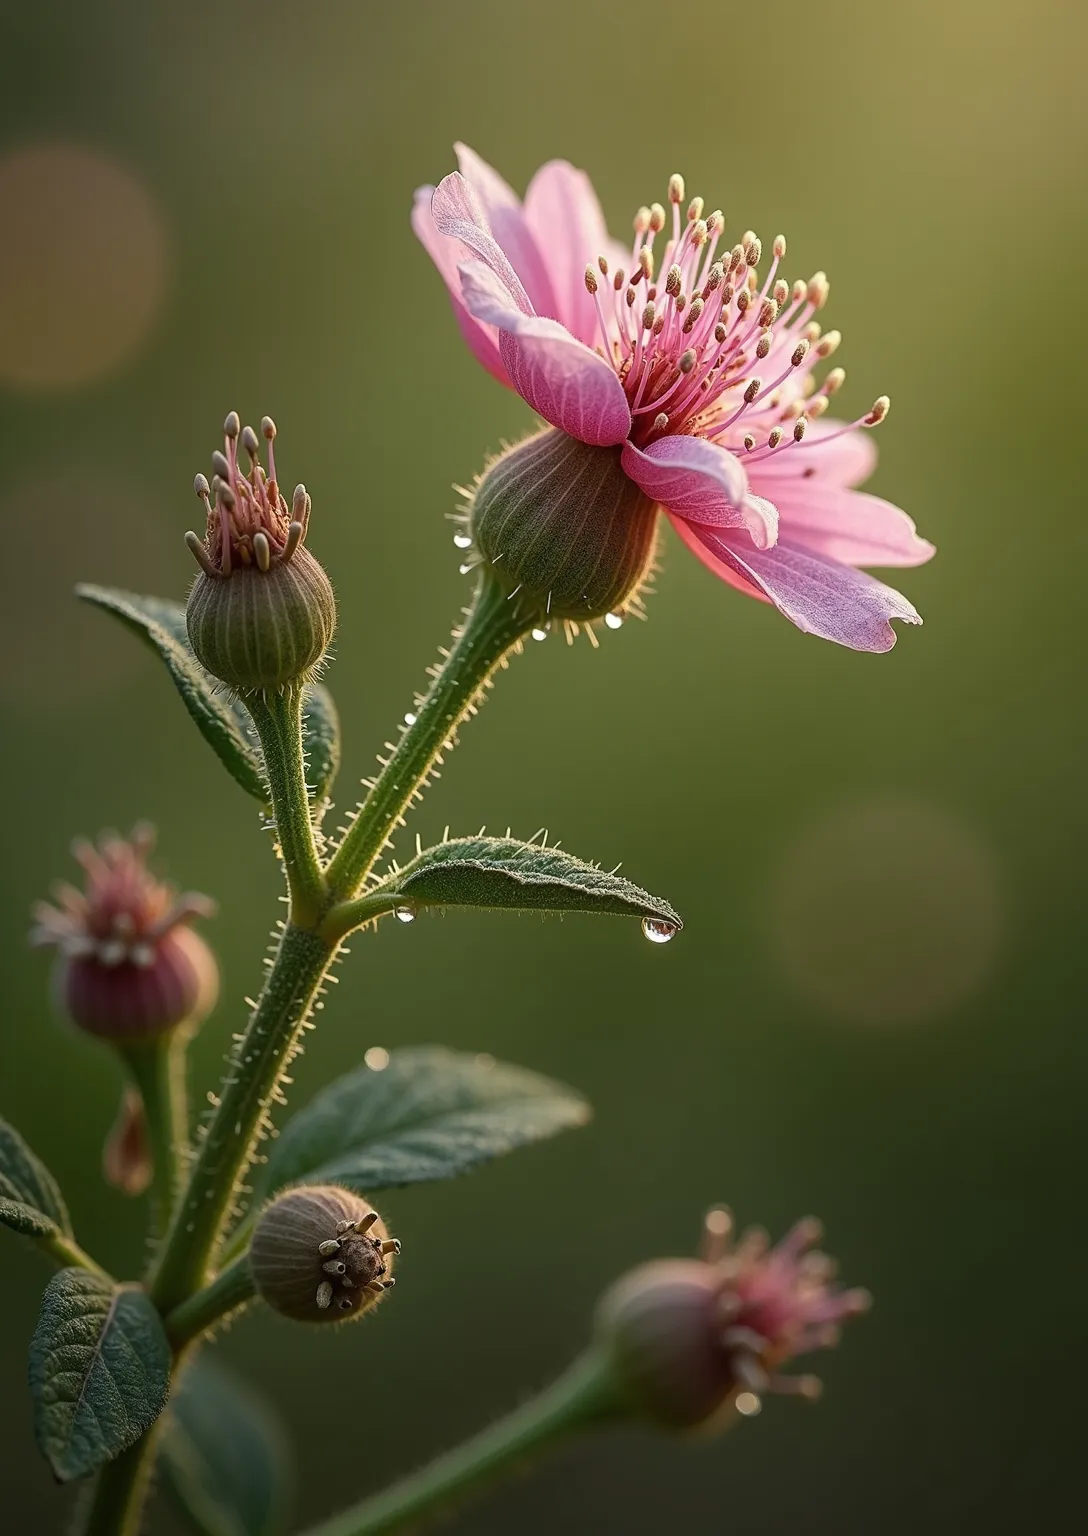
(700, 368)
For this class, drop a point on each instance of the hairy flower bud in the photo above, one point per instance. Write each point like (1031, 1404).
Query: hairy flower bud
(691, 1339)
(128, 965)
(559, 523)
(261, 613)
(321, 1254)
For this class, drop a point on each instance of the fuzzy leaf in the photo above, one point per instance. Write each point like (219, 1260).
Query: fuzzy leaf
(221, 718)
(99, 1371)
(225, 1459)
(30, 1201)
(429, 1114)
(504, 872)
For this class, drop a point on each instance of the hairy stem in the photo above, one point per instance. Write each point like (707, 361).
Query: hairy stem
(493, 626)
(227, 1149)
(583, 1396)
(231, 1289)
(278, 719)
(117, 1499)
(157, 1067)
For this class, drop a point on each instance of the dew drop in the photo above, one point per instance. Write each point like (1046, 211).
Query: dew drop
(540, 634)
(464, 567)
(409, 718)
(614, 620)
(463, 540)
(657, 931)
(404, 914)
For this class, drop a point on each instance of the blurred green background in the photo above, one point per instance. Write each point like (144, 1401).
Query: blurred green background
(871, 1011)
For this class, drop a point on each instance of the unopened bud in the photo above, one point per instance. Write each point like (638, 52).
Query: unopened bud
(126, 1156)
(261, 613)
(321, 1254)
(128, 965)
(683, 1337)
(561, 528)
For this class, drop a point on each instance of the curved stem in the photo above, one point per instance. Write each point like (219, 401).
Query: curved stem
(117, 1498)
(583, 1396)
(278, 719)
(66, 1252)
(494, 626)
(258, 1061)
(157, 1067)
(231, 1289)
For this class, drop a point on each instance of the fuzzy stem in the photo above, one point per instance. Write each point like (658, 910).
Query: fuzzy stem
(582, 1397)
(157, 1067)
(494, 626)
(67, 1253)
(231, 1289)
(258, 1062)
(278, 719)
(117, 1500)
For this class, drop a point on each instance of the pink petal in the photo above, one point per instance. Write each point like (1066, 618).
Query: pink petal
(507, 221)
(458, 216)
(848, 460)
(848, 526)
(570, 386)
(698, 480)
(445, 254)
(820, 596)
(562, 210)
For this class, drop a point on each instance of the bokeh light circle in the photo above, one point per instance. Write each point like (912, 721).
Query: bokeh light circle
(83, 265)
(888, 911)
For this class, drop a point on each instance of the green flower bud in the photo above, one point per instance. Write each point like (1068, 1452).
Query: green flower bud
(261, 613)
(560, 524)
(321, 1254)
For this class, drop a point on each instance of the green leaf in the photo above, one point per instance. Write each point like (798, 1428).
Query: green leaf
(320, 740)
(99, 1371)
(225, 1459)
(429, 1114)
(30, 1201)
(504, 872)
(222, 718)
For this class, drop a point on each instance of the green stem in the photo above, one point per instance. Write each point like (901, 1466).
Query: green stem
(157, 1067)
(231, 1289)
(583, 1396)
(117, 1499)
(67, 1253)
(229, 1144)
(493, 626)
(278, 720)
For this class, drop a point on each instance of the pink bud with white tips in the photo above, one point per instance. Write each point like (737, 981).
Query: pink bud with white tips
(692, 1340)
(128, 965)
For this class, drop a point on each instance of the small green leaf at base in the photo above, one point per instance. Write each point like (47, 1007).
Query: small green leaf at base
(505, 872)
(428, 1114)
(221, 718)
(99, 1371)
(30, 1201)
(224, 1458)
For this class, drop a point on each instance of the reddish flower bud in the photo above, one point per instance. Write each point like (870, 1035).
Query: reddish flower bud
(128, 966)
(689, 1339)
(321, 1254)
(126, 1156)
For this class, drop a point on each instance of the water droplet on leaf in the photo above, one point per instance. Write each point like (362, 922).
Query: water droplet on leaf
(404, 914)
(463, 540)
(657, 930)
(464, 568)
(409, 718)
(540, 634)
(614, 620)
